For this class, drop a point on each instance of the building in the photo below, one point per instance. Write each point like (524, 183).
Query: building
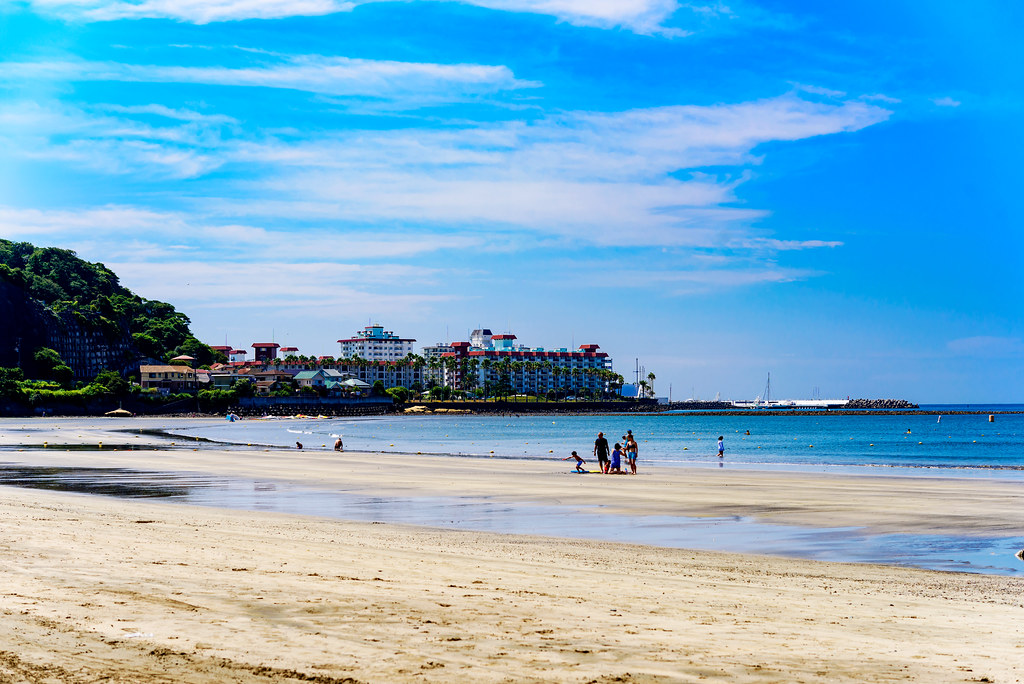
(237, 356)
(167, 379)
(265, 351)
(375, 344)
(504, 366)
(289, 351)
(223, 349)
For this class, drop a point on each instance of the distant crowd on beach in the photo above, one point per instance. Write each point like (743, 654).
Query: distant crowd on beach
(610, 461)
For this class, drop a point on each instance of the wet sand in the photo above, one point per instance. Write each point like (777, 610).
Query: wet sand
(138, 591)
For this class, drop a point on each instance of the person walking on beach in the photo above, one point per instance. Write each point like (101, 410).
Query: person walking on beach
(579, 462)
(601, 452)
(721, 446)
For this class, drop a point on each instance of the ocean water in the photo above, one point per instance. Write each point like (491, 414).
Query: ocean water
(917, 444)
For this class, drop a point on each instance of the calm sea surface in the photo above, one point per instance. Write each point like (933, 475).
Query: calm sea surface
(920, 444)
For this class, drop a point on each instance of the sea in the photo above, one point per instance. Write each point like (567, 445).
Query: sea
(921, 443)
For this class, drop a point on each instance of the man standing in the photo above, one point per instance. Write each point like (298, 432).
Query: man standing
(601, 451)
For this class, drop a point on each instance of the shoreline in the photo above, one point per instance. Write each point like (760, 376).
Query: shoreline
(948, 503)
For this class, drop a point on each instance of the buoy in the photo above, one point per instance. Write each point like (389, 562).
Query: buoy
(920, 442)
(991, 418)
(686, 448)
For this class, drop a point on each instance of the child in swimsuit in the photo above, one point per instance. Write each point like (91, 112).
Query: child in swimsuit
(579, 462)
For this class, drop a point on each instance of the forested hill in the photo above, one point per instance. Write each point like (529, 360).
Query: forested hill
(49, 298)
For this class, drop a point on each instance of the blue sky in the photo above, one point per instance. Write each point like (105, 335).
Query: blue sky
(722, 190)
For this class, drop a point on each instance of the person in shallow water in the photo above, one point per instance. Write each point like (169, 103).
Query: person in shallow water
(298, 445)
(338, 446)
(721, 446)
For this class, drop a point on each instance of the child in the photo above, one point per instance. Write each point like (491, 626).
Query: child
(579, 462)
(616, 466)
(721, 446)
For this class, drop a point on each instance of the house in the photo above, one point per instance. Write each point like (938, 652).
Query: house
(265, 351)
(319, 378)
(167, 379)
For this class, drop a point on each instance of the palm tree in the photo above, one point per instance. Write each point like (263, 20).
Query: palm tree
(556, 371)
(643, 389)
(650, 379)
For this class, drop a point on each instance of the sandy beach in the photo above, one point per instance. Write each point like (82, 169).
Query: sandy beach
(129, 590)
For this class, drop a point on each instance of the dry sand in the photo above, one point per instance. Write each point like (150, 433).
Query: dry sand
(97, 589)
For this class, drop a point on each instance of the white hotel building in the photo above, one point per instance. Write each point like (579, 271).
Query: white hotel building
(374, 343)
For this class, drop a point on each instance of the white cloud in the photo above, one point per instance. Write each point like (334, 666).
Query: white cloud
(881, 97)
(641, 16)
(586, 178)
(946, 102)
(987, 346)
(192, 11)
(598, 178)
(134, 233)
(339, 76)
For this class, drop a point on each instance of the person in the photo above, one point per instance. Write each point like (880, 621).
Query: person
(579, 462)
(338, 446)
(631, 452)
(616, 464)
(298, 445)
(601, 452)
(721, 446)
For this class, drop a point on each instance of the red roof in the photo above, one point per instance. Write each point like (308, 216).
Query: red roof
(503, 337)
(284, 349)
(220, 348)
(260, 345)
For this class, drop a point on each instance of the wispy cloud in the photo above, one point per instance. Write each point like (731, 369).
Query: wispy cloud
(596, 178)
(599, 178)
(946, 102)
(987, 346)
(641, 16)
(339, 76)
(192, 11)
(139, 233)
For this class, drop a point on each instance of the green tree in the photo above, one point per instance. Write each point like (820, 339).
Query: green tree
(113, 382)
(10, 382)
